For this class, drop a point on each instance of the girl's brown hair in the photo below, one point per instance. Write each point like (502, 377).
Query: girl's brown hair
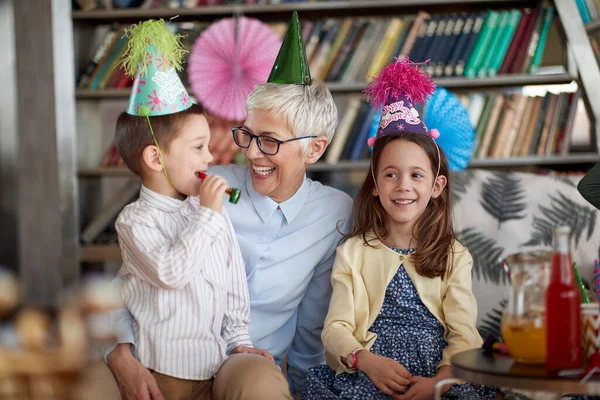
(433, 231)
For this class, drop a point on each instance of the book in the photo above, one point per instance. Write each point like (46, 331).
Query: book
(99, 53)
(516, 43)
(539, 51)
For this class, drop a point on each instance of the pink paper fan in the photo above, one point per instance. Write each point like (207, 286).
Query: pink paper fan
(222, 73)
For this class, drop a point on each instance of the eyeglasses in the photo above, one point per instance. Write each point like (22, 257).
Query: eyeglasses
(268, 145)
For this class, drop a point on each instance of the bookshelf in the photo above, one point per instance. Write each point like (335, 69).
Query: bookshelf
(306, 9)
(574, 31)
(457, 83)
(582, 158)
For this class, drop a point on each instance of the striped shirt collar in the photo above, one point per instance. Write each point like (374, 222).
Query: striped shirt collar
(266, 207)
(162, 202)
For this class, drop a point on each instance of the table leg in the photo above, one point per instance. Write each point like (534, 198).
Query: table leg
(437, 389)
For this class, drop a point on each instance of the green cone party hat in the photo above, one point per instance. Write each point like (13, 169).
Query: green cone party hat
(153, 56)
(291, 64)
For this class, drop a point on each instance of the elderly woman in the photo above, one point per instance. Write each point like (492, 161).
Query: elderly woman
(288, 228)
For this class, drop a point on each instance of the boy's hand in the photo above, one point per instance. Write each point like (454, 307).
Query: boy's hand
(134, 380)
(389, 376)
(212, 190)
(420, 389)
(251, 350)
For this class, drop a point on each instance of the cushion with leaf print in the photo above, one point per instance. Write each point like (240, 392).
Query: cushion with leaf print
(499, 213)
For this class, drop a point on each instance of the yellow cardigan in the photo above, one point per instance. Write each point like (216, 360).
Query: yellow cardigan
(360, 277)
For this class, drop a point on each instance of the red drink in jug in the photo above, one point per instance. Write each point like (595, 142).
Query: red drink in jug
(563, 318)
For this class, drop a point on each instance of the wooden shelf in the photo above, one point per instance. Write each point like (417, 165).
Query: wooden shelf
(100, 253)
(593, 26)
(104, 171)
(582, 158)
(305, 9)
(457, 83)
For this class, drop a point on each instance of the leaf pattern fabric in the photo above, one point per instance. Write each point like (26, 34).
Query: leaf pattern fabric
(497, 214)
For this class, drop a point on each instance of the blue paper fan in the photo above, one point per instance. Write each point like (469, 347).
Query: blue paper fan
(445, 112)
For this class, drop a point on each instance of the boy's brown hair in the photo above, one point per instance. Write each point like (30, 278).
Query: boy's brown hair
(433, 231)
(133, 134)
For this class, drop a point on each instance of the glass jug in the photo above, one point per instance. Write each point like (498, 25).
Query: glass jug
(523, 322)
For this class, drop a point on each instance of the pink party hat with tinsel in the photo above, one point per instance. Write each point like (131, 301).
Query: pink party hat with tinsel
(399, 88)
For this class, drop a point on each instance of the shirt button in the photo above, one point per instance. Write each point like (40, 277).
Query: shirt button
(401, 258)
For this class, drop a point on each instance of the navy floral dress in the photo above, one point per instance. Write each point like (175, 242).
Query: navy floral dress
(406, 332)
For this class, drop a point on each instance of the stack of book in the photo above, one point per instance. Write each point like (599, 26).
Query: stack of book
(507, 125)
(101, 71)
(516, 125)
(588, 9)
(353, 50)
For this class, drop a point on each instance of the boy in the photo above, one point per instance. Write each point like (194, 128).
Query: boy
(185, 281)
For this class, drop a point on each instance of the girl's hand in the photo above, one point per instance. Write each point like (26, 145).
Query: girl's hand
(389, 376)
(251, 350)
(421, 388)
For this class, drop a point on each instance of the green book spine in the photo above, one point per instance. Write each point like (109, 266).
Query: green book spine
(539, 51)
(509, 32)
(483, 41)
(483, 120)
(492, 48)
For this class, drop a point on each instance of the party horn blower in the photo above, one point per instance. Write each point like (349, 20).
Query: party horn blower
(234, 193)
(579, 282)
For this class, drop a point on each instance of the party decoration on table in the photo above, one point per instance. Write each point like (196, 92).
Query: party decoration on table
(234, 193)
(227, 61)
(505, 267)
(493, 345)
(590, 321)
(291, 65)
(444, 112)
(597, 279)
(579, 283)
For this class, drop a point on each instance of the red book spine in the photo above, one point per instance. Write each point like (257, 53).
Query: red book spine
(515, 43)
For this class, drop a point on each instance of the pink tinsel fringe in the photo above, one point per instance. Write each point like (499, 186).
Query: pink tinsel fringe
(402, 77)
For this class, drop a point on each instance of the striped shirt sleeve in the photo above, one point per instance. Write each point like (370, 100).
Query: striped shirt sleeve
(237, 315)
(160, 261)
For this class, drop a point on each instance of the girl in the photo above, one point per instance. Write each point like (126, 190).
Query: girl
(402, 303)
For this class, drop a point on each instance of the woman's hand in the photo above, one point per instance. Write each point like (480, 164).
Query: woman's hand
(135, 381)
(251, 350)
(389, 376)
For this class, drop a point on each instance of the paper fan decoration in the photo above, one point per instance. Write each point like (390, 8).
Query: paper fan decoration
(445, 112)
(223, 70)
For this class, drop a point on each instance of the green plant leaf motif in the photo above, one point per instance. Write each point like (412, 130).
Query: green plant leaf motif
(503, 197)
(562, 211)
(490, 323)
(485, 252)
(459, 183)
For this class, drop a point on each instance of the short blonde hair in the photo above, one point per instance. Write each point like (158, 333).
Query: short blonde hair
(308, 110)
